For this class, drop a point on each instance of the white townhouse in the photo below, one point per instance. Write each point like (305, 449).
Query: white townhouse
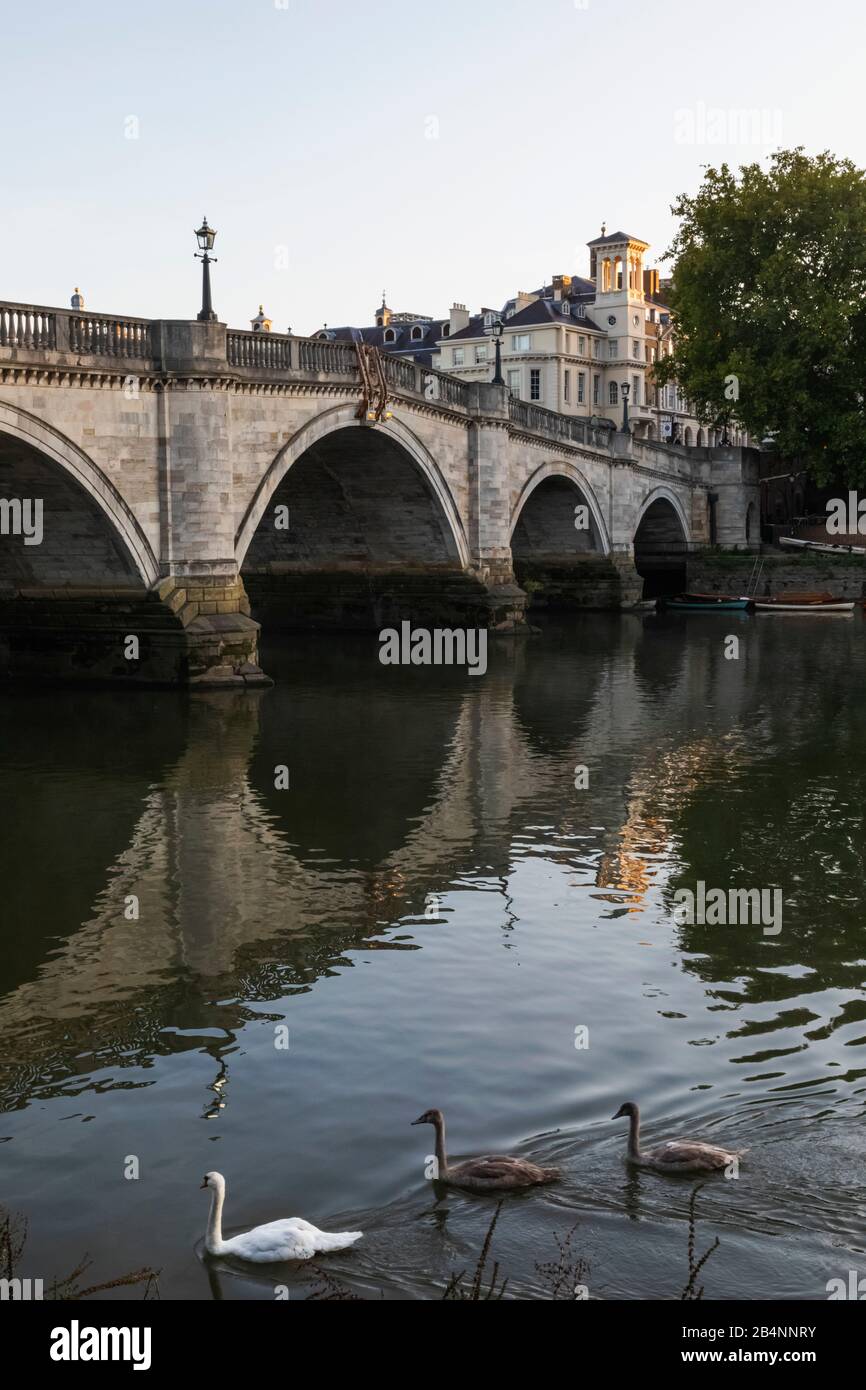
(572, 345)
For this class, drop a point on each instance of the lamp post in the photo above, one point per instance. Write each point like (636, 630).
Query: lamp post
(497, 331)
(205, 237)
(626, 391)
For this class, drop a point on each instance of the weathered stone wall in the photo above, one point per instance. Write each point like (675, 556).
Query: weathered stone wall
(727, 572)
(590, 582)
(184, 636)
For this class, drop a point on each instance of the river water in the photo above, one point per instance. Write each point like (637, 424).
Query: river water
(423, 918)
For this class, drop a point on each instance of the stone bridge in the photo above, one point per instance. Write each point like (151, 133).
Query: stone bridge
(196, 482)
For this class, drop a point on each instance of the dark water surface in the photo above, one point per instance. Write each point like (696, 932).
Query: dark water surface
(432, 909)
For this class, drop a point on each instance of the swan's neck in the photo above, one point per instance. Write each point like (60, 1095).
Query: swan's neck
(634, 1134)
(214, 1237)
(441, 1157)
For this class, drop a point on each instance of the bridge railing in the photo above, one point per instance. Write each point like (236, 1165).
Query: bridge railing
(273, 351)
(451, 390)
(401, 373)
(27, 326)
(574, 429)
(323, 355)
(32, 328)
(35, 329)
(104, 336)
(406, 375)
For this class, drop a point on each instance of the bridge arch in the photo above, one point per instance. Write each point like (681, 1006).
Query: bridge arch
(56, 466)
(661, 541)
(554, 486)
(664, 494)
(401, 445)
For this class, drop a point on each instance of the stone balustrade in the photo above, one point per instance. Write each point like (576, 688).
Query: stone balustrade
(34, 334)
(273, 351)
(27, 326)
(104, 336)
(572, 429)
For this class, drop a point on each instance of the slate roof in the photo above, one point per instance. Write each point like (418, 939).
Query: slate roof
(540, 311)
(579, 287)
(610, 237)
(403, 345)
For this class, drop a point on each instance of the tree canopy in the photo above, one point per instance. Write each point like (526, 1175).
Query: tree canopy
(769, 307)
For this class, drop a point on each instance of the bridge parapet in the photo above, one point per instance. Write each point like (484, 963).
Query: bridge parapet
(572, 429)
(38, 336)
(31, 328)
(34, 335)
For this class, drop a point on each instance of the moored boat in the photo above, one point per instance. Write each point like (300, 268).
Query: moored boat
(804, 603)
(706, 602)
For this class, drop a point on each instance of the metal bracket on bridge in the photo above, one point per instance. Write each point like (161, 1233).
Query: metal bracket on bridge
(373, 406)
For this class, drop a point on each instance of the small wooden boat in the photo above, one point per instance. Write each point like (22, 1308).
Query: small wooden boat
(804, 603)
(706, 602)
(827, 547)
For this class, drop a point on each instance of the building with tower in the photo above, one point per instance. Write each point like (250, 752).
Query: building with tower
(573, 344)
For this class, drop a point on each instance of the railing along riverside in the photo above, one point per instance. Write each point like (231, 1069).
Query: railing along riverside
(109, 337)
(26, 326)
(270, 350)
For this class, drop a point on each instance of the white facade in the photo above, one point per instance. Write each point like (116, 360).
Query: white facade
(571, 346)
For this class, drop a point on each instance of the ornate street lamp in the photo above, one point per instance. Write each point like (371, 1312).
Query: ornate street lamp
(497, 330)
(205, 236)
(626, 392)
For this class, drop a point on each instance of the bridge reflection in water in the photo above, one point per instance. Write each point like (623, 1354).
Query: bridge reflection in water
(431, 821)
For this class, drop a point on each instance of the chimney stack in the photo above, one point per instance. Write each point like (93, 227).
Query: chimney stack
(459, 318)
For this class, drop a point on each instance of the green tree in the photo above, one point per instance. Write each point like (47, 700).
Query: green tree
(769, 307)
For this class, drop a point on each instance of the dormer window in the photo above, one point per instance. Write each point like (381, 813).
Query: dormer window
(580, 311)
(380, 322)
(390, 335)
(488, 319)
(566, 307)
(446, 329)
(417, 334)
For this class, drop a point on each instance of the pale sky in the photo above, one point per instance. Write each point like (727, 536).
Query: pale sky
(462, 149)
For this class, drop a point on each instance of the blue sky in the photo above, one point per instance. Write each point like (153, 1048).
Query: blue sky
(463, 149)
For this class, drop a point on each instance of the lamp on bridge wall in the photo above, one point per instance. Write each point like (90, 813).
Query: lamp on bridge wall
(626, 392)
(205, 237)
(497, 329)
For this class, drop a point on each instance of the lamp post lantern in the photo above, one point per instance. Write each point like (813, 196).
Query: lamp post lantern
(497, 331)
(626, 391)
(205, 236)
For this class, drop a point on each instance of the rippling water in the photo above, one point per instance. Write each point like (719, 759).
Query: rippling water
(432, 908)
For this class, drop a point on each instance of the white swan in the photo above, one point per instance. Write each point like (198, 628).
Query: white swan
(290, 1239)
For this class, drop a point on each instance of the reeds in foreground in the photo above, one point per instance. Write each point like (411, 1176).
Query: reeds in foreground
(692, 1290)
(13, 1237)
